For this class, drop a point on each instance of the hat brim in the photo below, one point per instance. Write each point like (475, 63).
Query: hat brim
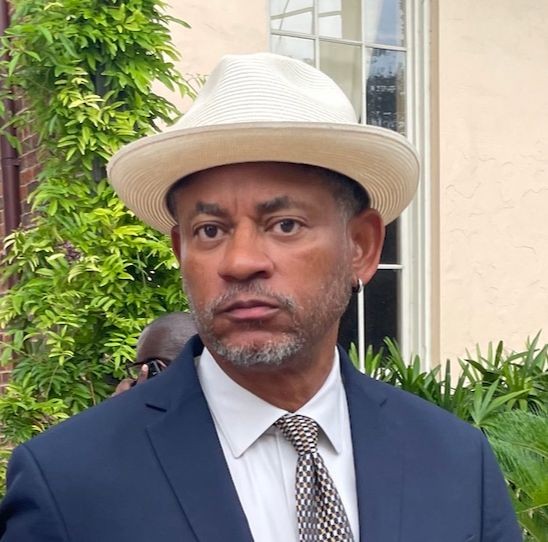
(380, 160)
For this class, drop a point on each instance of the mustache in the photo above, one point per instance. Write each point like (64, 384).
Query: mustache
(252, 289)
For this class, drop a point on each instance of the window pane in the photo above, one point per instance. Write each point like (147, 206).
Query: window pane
(381, 312)
(299, 48)
(381, 307)
(391, 250)
(385, 72)
(348, 328)
(343, 63)
(385, 22)
(340, 19)
(376, 88)
(292, 15)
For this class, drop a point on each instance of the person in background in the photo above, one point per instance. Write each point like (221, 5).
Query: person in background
(159, 343)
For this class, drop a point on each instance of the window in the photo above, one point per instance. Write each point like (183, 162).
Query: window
(371, 48)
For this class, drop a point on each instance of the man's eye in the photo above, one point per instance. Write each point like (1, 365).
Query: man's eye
(287, 226)
(208, 231)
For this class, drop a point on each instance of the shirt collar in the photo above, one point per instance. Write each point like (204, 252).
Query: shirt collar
(243, 417)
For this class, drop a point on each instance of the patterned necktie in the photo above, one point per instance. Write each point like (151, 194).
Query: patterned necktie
(320, 511)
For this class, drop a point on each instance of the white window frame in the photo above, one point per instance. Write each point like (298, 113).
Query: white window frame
(415, 224)
(415, 233)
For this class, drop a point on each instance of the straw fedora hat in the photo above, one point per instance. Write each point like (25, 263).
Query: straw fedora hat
(265, 107)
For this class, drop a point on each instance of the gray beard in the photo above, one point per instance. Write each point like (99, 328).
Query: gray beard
(316, 318)
(271, 354)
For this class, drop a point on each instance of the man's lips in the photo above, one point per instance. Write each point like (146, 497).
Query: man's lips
(249, 309)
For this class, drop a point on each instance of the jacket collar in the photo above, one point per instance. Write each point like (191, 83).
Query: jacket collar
(378, 456)
(187, 447)
(197, 471)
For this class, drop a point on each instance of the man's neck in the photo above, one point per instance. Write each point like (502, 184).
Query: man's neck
(290, 385)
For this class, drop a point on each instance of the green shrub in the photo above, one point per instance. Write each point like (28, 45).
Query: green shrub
(485, 386)
(24, 415)
(505, 395)
(520, 441)
(89, 275)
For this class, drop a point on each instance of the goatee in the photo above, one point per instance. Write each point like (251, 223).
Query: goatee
(309, 322)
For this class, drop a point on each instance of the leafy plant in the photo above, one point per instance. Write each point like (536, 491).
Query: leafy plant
(486, 384)
(523, 373)
(520, 441)
(89, 274)
(26, 416)
(503, 393)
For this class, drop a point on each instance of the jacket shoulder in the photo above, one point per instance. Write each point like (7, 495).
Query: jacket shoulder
(415, 414)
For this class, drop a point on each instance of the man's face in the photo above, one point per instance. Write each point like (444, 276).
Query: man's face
(266, 258)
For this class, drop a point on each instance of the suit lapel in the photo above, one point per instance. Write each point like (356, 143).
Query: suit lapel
(378, 458)
(187, 446)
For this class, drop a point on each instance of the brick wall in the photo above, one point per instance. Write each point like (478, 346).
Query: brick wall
(29, 168)
(28, 172)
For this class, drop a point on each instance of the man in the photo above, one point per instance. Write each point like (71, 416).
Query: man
(159, 343)
(262, 430)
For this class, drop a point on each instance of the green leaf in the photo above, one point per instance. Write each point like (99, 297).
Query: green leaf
(88, 91)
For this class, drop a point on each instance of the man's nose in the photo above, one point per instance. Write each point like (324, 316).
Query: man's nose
(245, 256)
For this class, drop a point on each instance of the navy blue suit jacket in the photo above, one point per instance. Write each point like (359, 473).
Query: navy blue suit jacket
(147, 466)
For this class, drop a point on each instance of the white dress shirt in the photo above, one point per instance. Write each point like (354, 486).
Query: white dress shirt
(262, 462)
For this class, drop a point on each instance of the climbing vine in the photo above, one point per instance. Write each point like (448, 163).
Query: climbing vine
(89, 275)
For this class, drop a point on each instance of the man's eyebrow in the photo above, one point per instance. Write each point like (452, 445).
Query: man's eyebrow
(270, 206)
(203, 208)
(277, 204)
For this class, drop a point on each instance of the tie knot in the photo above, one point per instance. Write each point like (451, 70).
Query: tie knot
(301, 431)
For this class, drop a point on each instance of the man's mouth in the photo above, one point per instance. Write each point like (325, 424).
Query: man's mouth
(249, 309)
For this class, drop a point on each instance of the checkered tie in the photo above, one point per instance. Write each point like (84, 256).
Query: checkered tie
(320, 511)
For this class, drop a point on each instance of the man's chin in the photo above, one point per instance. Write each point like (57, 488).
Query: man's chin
(251, 336)
(257, 351)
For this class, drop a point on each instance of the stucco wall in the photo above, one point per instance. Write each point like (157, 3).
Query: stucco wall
(218, 27)
(493, 160)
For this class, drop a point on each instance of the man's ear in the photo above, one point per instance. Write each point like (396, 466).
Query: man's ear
(367, 237)
(176, 242)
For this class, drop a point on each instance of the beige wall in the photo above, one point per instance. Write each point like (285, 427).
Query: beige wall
(493, 166)
(218, 27)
